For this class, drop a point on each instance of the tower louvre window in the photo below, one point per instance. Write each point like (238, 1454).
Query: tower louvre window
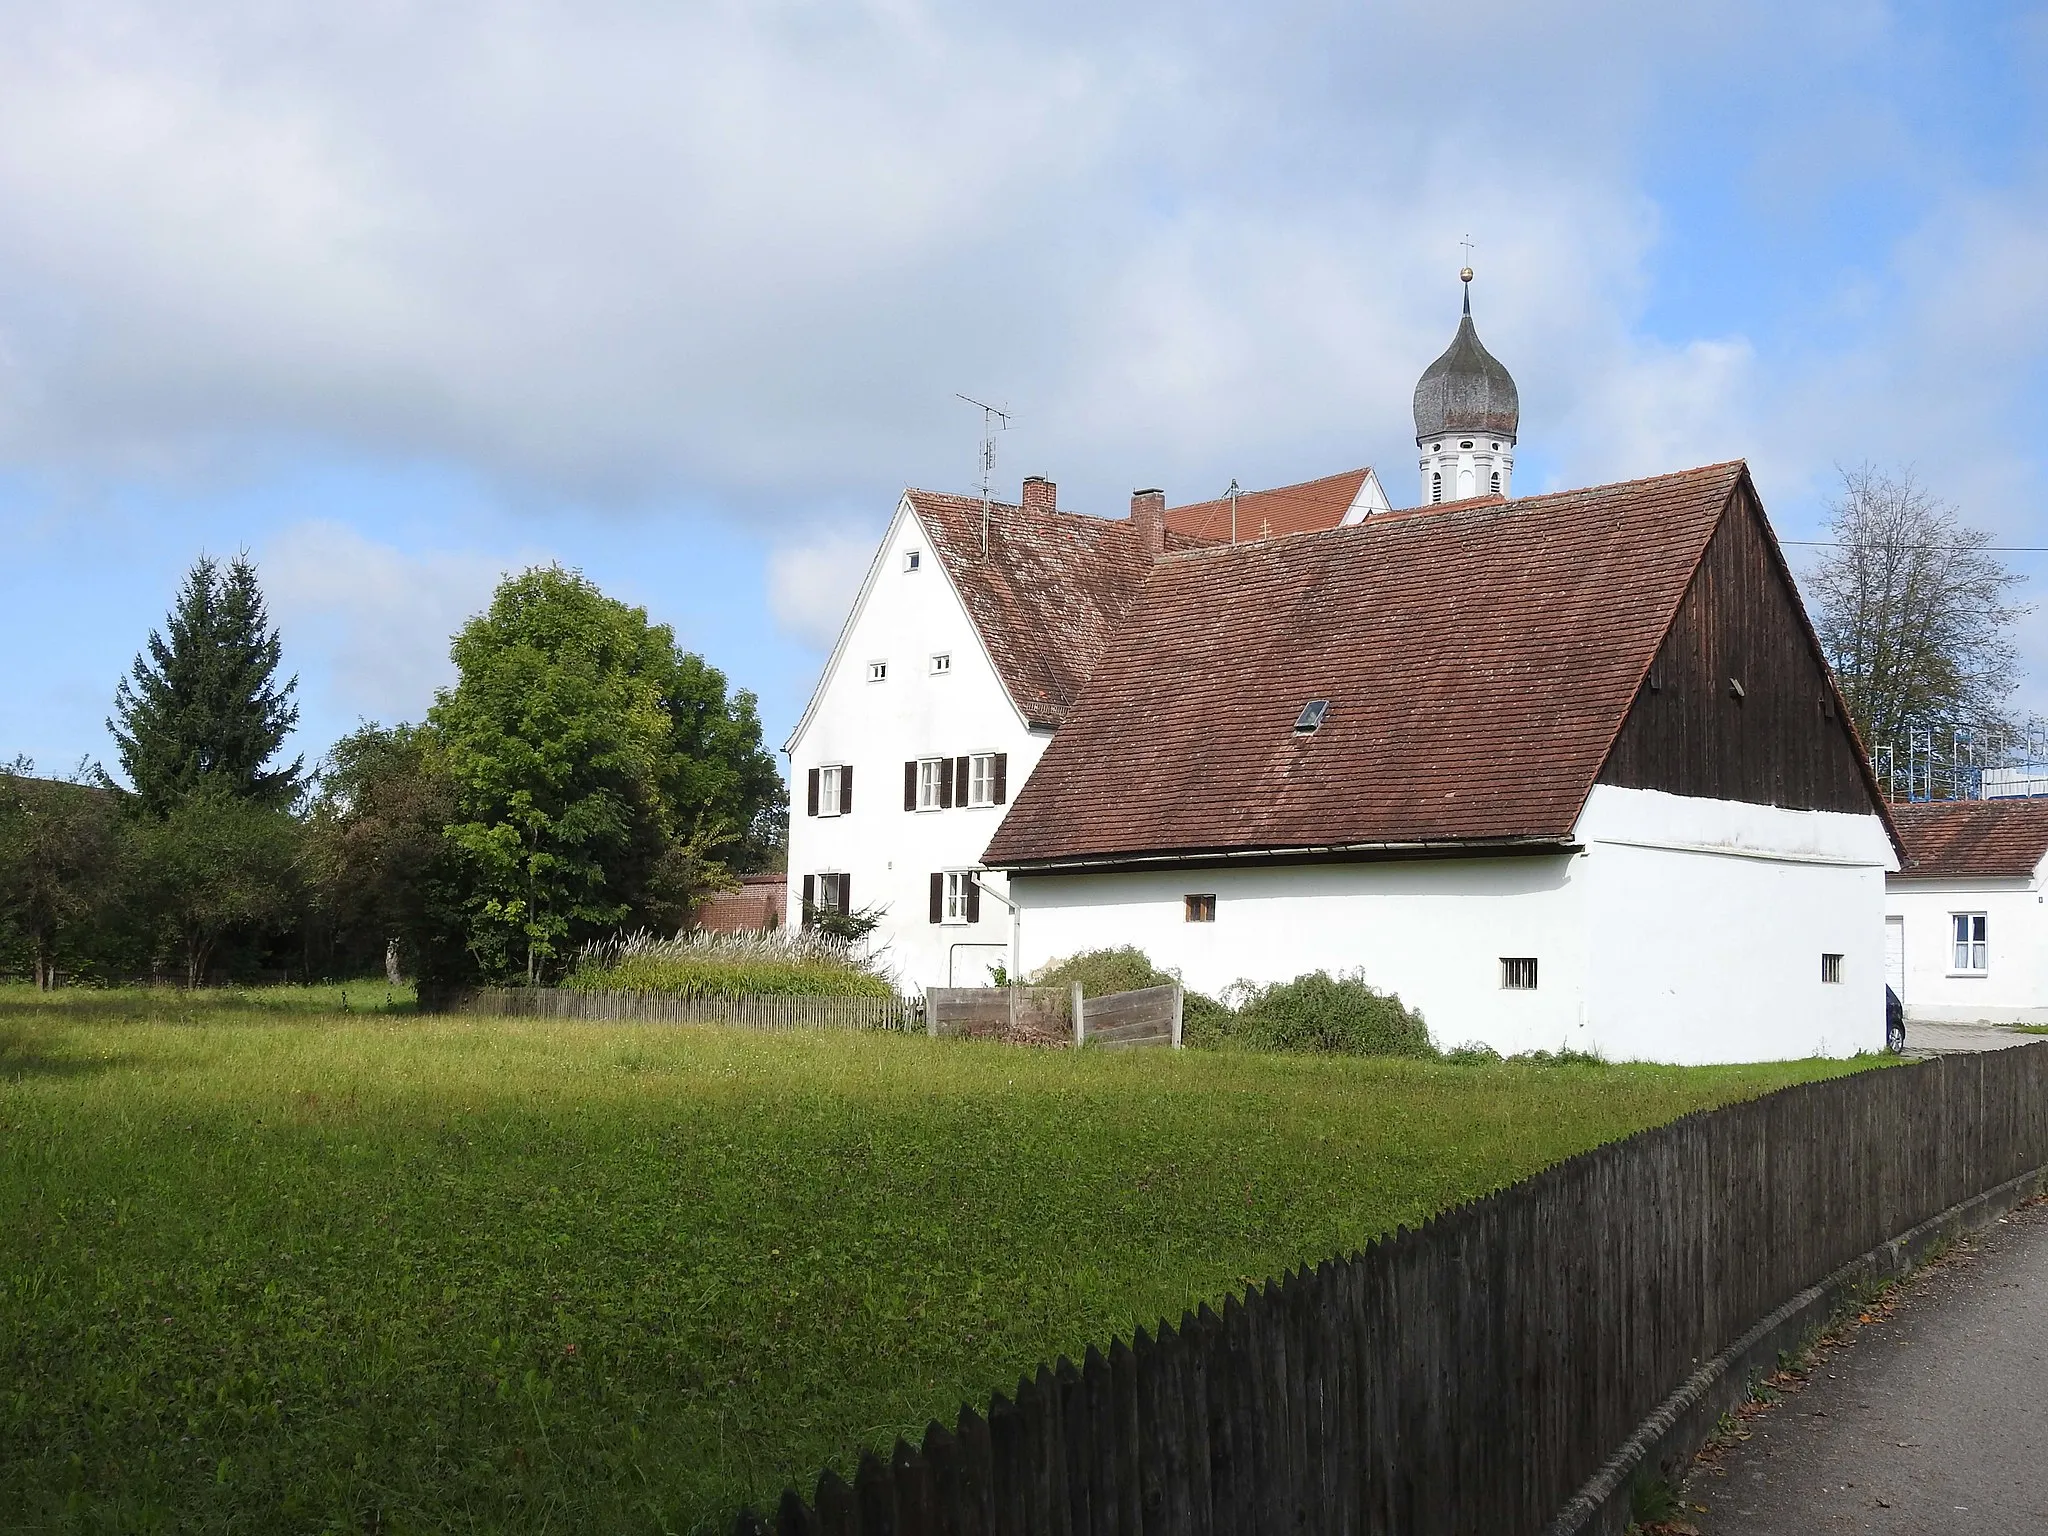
(1496, 482)
(1436, 486)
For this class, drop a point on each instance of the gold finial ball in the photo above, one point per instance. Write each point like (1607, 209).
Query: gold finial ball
(1465, 276)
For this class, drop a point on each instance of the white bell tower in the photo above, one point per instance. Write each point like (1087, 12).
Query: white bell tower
(1466, 414)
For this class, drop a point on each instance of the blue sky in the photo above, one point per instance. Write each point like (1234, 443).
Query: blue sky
(398, 298)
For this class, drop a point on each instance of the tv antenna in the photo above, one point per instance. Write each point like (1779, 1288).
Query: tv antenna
(990, 417)
(1233, 493)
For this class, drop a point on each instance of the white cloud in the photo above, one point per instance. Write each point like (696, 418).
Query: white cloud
(375, 621)
(812, 583)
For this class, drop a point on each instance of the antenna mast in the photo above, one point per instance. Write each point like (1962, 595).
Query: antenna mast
(1233, 494)
(990, 415)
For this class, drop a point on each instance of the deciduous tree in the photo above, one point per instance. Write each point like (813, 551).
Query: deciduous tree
(60, 857)
(1913, 609)
(216, 863)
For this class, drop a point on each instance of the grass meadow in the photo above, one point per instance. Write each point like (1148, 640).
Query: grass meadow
(266, 1265)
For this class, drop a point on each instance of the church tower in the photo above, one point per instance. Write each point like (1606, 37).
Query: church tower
(1466, 413)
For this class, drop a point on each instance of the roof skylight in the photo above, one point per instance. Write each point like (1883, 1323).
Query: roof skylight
(1311, 716)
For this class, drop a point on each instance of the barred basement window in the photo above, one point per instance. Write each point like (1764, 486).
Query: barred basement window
(1831, 969)
(1518, 974)
(1202, 908)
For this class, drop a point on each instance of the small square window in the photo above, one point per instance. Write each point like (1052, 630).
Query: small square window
(1831, 969)
(1973, 953)
(912, 559)
(1518, 973)
(1201, 908)
(942, 663)
(878, 671)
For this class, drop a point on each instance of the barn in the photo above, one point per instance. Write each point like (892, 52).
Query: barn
(1562, 771)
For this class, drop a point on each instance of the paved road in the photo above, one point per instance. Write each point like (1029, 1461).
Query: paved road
(1933, 1420)
(1927, 1036)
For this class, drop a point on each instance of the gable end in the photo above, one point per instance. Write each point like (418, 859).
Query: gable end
(1738, 704)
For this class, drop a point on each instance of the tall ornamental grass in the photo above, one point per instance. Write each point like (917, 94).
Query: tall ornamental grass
(782, 963)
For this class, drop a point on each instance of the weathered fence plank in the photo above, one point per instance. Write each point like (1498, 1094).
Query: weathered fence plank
(1147, 1016)
(754, 1012)
(1470, 1375)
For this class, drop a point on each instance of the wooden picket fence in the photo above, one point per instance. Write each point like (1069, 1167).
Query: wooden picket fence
(755, 1012)
(1470, 1375)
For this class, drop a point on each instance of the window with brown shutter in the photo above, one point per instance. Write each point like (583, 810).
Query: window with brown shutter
(810, 898)
(945, 785)
(846, 790)
(910, 786)
(939, 897)
(973, 898)
(811, 795)
(960, 781)
(845, 894)
(1002, 785)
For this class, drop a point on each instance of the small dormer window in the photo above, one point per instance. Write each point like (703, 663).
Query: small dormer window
(912, 558)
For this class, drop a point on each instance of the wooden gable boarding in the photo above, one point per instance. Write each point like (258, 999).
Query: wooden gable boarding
(1738, 704)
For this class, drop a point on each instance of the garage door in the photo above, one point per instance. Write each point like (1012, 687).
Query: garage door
(1895, 955)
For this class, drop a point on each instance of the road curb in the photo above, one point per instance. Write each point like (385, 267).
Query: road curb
(1668, 1438)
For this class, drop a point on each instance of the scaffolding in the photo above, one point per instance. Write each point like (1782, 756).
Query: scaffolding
(1965, 762)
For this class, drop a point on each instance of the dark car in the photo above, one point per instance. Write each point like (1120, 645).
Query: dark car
(1894, 1021)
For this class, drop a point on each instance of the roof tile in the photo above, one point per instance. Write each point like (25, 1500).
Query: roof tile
(1971, 839)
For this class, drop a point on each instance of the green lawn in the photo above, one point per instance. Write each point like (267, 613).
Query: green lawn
(268, 1266)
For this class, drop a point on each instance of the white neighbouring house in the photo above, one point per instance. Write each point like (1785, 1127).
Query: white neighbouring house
(958, 661)
(1567, 771)
(1966, 914)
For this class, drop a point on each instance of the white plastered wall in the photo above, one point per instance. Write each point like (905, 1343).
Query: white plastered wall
(1686, 931)
(2013, 989)
(904, 618)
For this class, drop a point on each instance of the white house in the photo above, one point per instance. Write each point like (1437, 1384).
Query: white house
(1966, 915)
(1562, 771)
(971, 636)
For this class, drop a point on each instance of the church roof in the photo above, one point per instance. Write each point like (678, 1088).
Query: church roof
(1479, 660)
(1971, 839)
(1309, 507)
(1467, 389)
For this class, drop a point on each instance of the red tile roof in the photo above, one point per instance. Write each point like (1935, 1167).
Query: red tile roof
(1053, 589)
(1310, 507)
(1478, 658)
(1971, 839)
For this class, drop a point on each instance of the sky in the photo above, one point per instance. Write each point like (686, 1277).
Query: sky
(400, 298)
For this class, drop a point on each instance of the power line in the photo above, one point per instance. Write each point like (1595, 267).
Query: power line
(1981, 549)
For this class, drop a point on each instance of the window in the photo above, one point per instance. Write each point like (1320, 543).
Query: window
(830, 783)
(1311, 716)
(1436, 487)
(1496, 482)
(1466, 444)
(1831, 969)
(1201, 908)
(912, 559)
(942, 663)
(1518, 974)
(1972, 953)
(956, 897)
(985, 775)
(878, 671)
(827, 893)
(934, 784)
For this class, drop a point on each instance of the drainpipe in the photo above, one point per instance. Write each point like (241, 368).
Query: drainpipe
(1016, 922)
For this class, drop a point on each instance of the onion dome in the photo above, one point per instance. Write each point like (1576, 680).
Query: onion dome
(1467, 389)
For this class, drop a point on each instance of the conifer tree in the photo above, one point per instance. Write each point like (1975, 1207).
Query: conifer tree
(202, 708)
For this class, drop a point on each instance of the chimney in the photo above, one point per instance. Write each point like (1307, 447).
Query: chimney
(1148, 514)
(1040, 494)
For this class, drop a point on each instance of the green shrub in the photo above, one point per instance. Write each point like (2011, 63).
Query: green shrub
(1103, 971)
(1338, 1015)
(783, 963)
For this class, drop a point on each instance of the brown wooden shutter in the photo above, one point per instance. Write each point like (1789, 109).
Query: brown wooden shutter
(811, 795)
(960, 765)
(973, 899)
(910, 786)
(846, 790)
(938, 898)
(810, 898)
(1001, 790)
(945, 786)
(845, 894)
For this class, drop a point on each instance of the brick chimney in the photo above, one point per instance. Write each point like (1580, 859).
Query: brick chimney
(1040, 494)
(1148, 514)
